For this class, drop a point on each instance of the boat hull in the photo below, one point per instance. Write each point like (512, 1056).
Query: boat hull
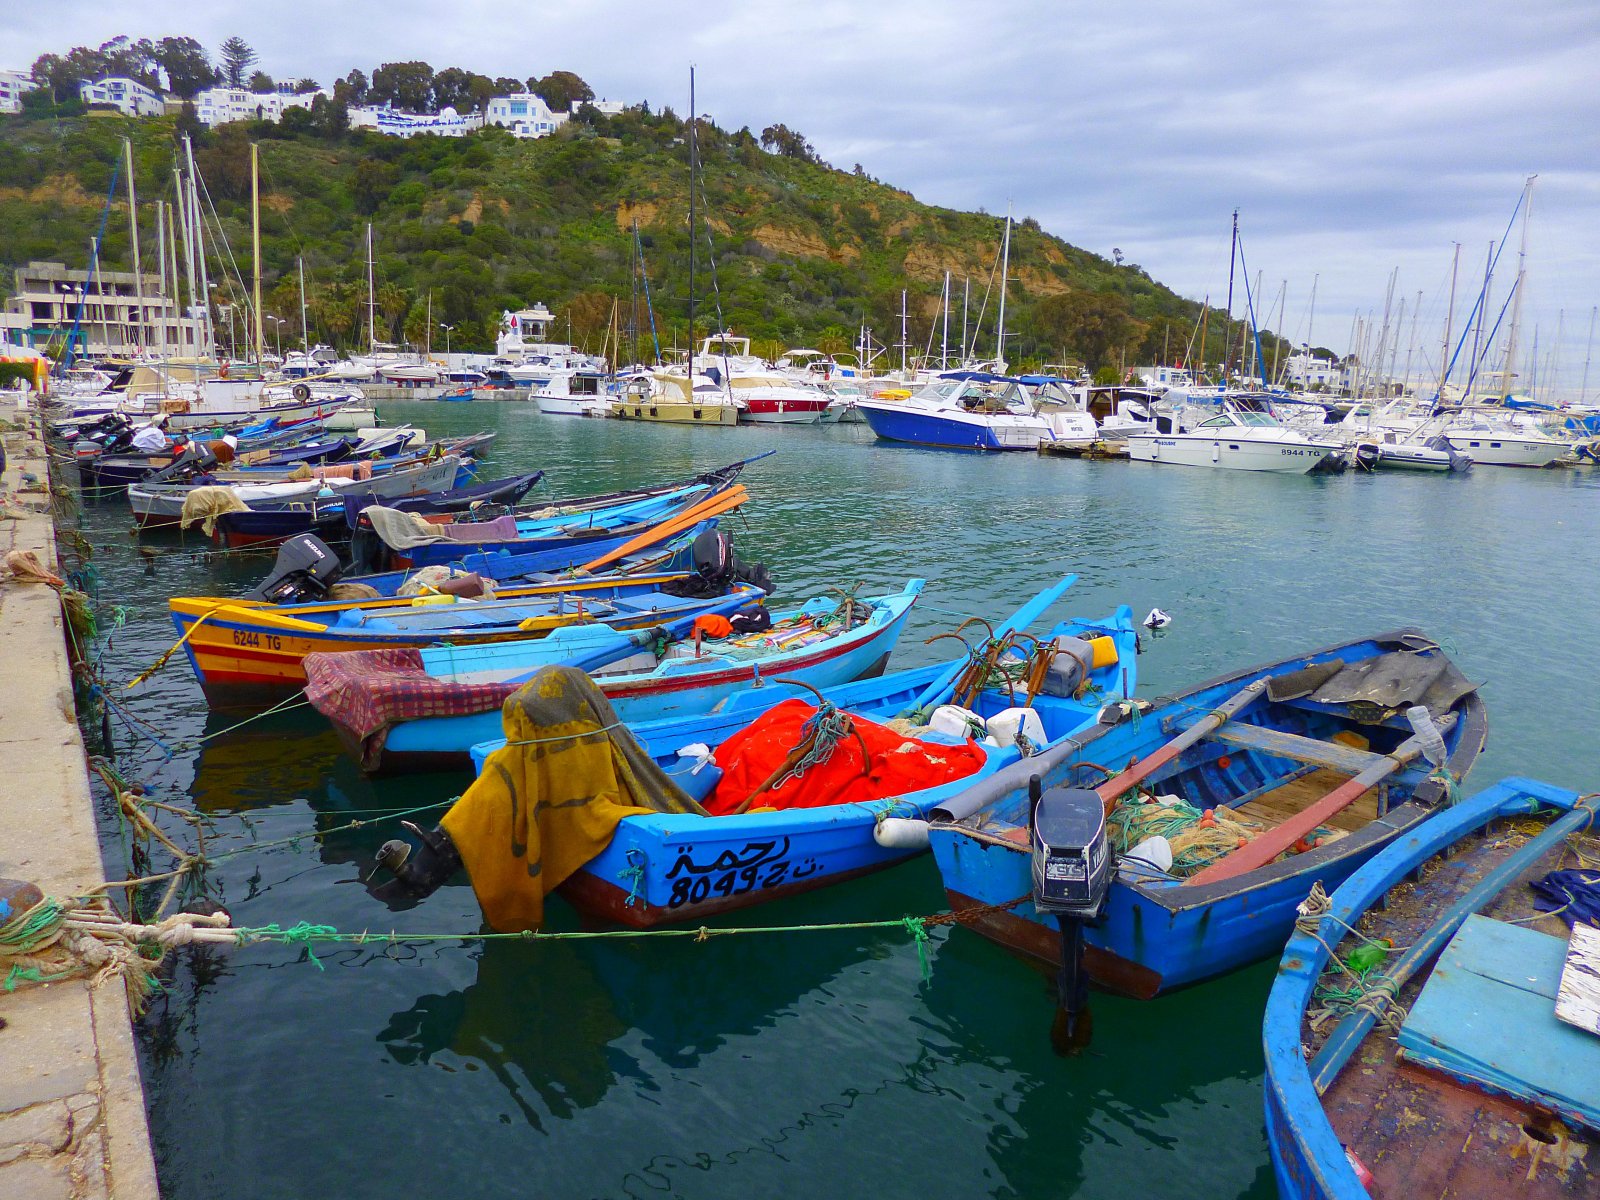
(1189, 451)
(759, 411)
(1509, 450)
(685, 692)
(676, 413)
(920, 428)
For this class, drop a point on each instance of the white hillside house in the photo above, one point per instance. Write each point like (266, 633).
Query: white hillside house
(221, 105)
(524, 114)
(128, 96)
(12, 85)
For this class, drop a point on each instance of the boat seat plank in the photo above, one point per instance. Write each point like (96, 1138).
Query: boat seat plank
(1487, 1015)
(1292, 746)
(1274, 807)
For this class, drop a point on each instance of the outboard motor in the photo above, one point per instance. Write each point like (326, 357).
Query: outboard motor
(714, 568)
(305, 570)
(1071, 876)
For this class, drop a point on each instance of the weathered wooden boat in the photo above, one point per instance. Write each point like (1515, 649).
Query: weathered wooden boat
(110, 470)
(413, 544)
(670, 867)
(416, 709)
(1432, 1028)
(498, 492)
(157, 505)
(247, 651)
(329, 515)
(1258, 784)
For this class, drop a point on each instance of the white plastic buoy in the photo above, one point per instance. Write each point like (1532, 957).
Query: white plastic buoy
(1157, 619)
(954, 720)
(1155, 850)
(901, 833)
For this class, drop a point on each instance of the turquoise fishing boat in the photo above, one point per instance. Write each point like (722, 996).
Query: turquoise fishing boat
(672, 867)
(1433, 1026)
(1244, 791)
(427, 708)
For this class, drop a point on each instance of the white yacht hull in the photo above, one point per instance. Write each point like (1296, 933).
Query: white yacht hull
(1192, 450)
(573, 406)
(1509, 449)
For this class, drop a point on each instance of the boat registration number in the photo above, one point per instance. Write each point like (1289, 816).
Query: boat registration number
(755, 866)
(270, 641)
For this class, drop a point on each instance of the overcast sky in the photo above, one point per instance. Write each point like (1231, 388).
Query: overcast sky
(1354, 137)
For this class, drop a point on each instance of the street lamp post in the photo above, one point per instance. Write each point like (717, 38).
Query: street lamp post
(447, 329)
(277, 335)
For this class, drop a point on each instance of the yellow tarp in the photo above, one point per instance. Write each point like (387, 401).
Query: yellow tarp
(551, 798)
(206, 504)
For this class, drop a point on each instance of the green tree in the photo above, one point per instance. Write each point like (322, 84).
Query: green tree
(187, 68)
(561, 90)
(237, 57)
(783, 141)
(352, 89)
(260, 81)
(372, 183)
(452, 88)
(304, 86)
(406, 85)
(1095, 325)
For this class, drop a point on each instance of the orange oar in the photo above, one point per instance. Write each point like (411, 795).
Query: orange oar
(712, 506)
(1258, 852)
(1147, 766)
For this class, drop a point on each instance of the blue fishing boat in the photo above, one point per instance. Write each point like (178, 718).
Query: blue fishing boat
(427, 708)
(508, 491)
(1244, 791)
(965, 410)
(669, 867)
(1432, 1027)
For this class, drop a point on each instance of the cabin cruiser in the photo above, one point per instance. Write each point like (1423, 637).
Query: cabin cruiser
(1506, 439)
(667, 397)
(1239, 436)
(297, 364)
(574, 394)
(965, 410)
(765, 395)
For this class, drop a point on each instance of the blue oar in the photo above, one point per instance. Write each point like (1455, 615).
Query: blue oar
(939, 690)
(626, 643)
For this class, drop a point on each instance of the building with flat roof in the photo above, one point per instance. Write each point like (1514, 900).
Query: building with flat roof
(524, 114)
(128, 96)
(49, 299)
(12, 85)
(221, 105)
(391, 121)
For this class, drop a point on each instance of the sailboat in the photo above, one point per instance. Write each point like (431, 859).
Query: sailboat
(670, 396)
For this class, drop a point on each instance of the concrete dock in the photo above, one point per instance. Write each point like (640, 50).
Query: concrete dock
(72, 1112)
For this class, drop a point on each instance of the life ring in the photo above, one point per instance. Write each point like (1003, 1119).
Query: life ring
(222, 371)
(300, 391)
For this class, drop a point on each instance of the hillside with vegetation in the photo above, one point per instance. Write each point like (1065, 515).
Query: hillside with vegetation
(791, 252)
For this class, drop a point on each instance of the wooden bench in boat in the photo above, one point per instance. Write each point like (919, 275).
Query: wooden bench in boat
(1314, 751)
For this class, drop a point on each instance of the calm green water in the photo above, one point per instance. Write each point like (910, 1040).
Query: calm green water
(762, 1065)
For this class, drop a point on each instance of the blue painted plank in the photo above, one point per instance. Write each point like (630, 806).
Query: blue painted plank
(1487, 1014)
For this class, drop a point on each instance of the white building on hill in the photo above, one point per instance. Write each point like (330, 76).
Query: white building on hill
(128, 96)
(12, 85)
(446, 122)
(524, 114)
(220, 105)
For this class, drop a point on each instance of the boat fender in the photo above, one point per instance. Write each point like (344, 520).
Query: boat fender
(901, 833)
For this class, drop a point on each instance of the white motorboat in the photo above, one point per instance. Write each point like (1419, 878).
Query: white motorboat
(574, 394)
(1237, 441)
(970, 410)
(1508, 447)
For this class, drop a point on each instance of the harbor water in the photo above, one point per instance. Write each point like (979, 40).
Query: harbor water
(826, 1060)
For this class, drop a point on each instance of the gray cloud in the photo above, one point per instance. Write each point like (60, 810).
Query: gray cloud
(1355, 137)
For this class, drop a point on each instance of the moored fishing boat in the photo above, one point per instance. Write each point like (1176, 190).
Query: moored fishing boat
(247, 650)
(840, 817)
(1246, 790)
(1432, 1026)
(429, 707)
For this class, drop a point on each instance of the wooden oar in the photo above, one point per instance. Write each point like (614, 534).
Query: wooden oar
(1260, 851)
(713, 506)
(939, 690)
(1153, 762)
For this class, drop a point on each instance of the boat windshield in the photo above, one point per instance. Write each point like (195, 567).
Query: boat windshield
(1257, 420)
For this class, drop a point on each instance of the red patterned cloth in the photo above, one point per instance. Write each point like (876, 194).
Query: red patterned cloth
(364, 692)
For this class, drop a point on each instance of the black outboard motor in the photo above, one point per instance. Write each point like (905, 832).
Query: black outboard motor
(305, 570)
(714, 568)
(1071, 876)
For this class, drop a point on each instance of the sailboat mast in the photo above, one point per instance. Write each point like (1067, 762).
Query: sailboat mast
(161, 276)
(255, 246)
(693, 166)
(1000, 326)
(1516, 299)
(1449, 319)
(1588, 355)
(305, 333)
(944, 339)
(966, 297)
(372, 298)
(1227, 327)
(904, 336)
(198, 244)
(133, 235)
